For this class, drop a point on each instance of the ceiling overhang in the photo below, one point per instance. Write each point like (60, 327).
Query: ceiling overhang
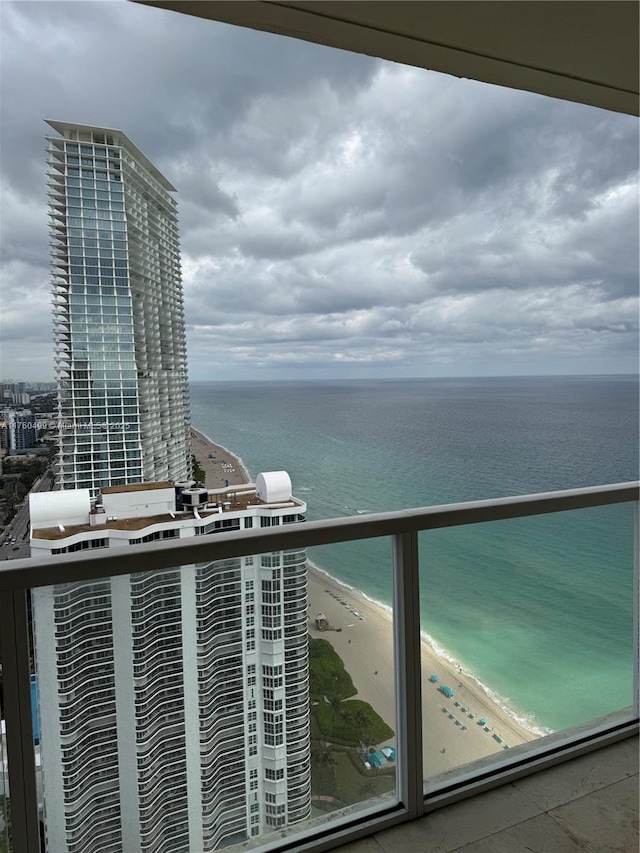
(577, 50)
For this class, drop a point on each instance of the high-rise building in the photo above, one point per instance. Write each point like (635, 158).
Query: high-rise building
(22, 433)
(174, 704)
(119, 336)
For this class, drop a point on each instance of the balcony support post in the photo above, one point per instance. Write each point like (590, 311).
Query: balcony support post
(636, 609)
(406, 624)
(14, 643)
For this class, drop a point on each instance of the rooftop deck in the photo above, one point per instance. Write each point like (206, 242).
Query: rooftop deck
(134, 487)
(231, 501)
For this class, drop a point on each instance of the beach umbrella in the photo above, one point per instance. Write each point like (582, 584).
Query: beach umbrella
(433, 678)
(483, 721)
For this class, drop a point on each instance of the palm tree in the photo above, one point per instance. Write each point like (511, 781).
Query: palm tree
(323, 755)
(367, 789)
(361, 722)
(337, 705)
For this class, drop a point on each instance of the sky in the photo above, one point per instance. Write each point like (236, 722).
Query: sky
(340, 216)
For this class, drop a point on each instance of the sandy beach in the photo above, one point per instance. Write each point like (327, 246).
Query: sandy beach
(365, 644)
(366, 647)
(220, 465)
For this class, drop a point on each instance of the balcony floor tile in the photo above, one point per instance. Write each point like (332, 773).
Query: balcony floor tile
(586, 805)
(580, 776)
(604, 821)
(461, 823)
(539, 834)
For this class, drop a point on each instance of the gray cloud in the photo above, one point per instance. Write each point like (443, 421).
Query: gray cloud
(338, 213)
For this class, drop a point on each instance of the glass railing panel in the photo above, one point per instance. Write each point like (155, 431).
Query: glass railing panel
(210, 705)
(527, 631)
(352, 684)
(5, 816)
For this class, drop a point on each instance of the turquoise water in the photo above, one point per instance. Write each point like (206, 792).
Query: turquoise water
(538, 609)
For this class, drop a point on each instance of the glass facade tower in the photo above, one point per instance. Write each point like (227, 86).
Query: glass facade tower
(119, 336)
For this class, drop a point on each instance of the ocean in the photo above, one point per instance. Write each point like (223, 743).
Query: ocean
(539, 610)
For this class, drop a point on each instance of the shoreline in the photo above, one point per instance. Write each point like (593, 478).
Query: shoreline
(518, 718)
(451, 738)
(204, 448)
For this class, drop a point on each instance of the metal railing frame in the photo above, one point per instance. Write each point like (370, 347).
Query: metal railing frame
(18, 576)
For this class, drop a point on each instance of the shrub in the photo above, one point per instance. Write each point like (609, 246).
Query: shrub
(327, 675)
(351, 723)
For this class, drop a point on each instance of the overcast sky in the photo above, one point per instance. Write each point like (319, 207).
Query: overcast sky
(340, 216)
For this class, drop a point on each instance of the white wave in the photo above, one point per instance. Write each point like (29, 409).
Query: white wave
(524, 720)
(527, 721)
(332, 438)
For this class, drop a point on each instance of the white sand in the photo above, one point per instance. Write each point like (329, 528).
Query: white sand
(218, 463)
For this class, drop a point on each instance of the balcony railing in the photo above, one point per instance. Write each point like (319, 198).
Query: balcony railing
(17, 577)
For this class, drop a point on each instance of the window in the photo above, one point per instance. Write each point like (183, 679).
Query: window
(151, 537)
(273, 775)
(82, 546)
(272, 635)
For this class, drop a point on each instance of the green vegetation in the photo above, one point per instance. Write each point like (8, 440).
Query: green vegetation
(339, 778)
(18, 476)
(5, 826)
(27, 469)
(352, 723)
(341, 731)
(199, 474)
(42, 403)
(327, 675)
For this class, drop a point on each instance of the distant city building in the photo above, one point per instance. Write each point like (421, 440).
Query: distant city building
(16, 393)
(21, 433)
(174, 705)
(41, 387)
(120, 352)
(8, 387)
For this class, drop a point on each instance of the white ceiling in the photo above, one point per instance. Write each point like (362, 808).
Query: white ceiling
(578, 50)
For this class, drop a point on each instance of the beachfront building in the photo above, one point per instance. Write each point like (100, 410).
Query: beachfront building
(118, 314)
(173, 703)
